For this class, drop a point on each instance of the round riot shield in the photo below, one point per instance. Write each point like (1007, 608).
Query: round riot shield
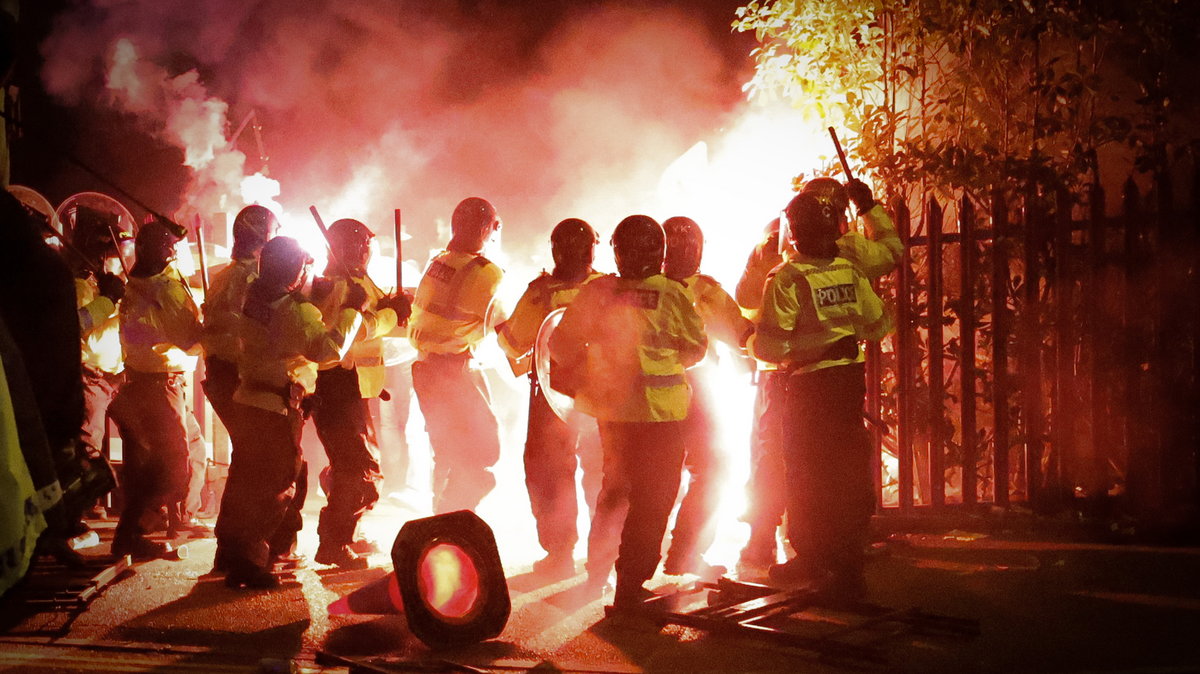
(34, 201)
(563, 405)
(78, 207)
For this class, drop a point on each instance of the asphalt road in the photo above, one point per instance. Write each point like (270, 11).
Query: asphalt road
(1041, 605)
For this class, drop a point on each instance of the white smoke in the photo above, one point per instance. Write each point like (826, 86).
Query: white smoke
(423, 103)
(549, 109)
(182, 113)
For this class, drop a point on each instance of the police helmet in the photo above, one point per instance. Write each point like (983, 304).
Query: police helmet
(685, 245)
(350, 241)
(94, 231)
(814, 225)
(282, 263)
(828, 190)
(253, 226)
(639, 245)
(473, 221)
(155, 242)
(573, 244)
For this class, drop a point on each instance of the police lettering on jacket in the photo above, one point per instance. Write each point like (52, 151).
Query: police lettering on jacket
(812, 310)
(451, 306)
(629, 341)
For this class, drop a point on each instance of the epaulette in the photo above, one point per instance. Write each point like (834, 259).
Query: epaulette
(483, 262)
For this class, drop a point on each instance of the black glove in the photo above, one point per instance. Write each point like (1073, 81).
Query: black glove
(356, 298)
(111, 286)
(860, 194)
(401, 303)
(321, 287)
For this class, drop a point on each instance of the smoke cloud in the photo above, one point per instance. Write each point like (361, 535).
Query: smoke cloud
(549, 110)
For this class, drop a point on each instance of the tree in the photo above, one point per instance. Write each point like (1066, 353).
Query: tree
(967, 94)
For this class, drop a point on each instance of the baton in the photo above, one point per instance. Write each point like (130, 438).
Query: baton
(117, 244)
(841, 154)
(203, 264)
(328, 242)
(399, 256)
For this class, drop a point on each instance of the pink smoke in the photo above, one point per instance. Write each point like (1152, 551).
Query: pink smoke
(424, 102)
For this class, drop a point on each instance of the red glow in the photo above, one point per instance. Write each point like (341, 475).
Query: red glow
(449, 582)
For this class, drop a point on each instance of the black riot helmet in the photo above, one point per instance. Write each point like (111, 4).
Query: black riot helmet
(639, 245)
(94, 232)
(685, 246)
(573, 245)
(154, 248)
(472, 223)
(814, 225)
(350, 241)
(253, 226)
(282, 264)
(830, 192)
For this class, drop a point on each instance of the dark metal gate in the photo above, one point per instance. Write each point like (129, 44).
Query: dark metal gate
(1063, 342)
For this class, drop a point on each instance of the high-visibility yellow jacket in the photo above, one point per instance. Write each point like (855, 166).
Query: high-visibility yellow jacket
(160, 324)
(723, 319)
(876, 254)
(450, 309)
(286, 347)
(223, 307)
(99, 327)
(366, 353)
(22, 522)
(813, 313)
(762, 260)
(518, 334)
(630, 341)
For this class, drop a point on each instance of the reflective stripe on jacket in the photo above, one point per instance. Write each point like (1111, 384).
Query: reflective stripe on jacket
(99, 327)
(366, 354)
(287, 349)
(160, 324)
(518, 334)
(630, 341)
(223, 307)
(450, 308)
(811, 310)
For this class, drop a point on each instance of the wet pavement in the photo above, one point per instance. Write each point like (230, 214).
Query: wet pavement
(1041, 605)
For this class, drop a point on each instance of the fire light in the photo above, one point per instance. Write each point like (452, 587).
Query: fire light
(449, 582)
(451, 579)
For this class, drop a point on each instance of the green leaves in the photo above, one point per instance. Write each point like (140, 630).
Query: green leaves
(971, 93)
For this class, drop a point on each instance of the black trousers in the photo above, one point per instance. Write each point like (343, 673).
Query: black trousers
(264, 495)
(220, 381)
(343, 425)
(162, 449)
(462, 430)
(643, 462)
(86, 475)
(554, 450)
(828, 469)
